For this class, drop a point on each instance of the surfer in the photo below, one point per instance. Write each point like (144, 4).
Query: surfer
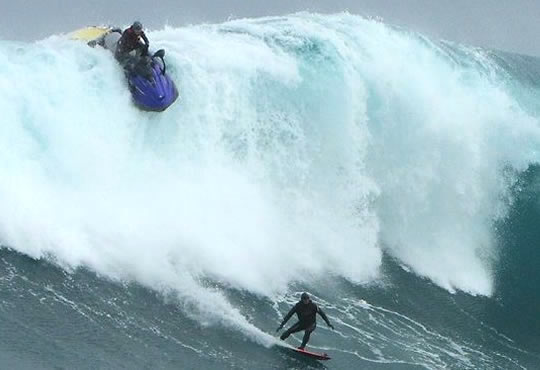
(307, 312)
(131, 40)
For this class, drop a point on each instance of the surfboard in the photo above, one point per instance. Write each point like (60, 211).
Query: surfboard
(88, 33)
(315, 355)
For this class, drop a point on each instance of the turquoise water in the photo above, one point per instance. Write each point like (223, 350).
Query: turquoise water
(392, 176)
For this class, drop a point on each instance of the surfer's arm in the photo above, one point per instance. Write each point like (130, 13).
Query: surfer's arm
(288, 316)
(325, 318)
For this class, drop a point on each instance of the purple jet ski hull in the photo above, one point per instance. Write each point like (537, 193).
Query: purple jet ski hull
(153, 90)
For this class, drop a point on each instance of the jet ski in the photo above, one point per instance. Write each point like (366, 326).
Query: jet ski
(152, 89)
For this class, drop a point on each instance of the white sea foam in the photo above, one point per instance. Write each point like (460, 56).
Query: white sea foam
(301, 147)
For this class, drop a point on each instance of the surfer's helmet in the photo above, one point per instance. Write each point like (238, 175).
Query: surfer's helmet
(137, 27)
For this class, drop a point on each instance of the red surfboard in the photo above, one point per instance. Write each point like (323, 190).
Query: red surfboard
(315, 355)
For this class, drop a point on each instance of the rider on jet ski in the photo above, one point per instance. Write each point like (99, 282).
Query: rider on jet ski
(131, 40)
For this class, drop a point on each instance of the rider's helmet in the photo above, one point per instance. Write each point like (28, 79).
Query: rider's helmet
(137, 27)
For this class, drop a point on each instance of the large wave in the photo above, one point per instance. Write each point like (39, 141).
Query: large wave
(301, 147)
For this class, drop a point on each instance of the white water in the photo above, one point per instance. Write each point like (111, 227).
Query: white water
(300, 148)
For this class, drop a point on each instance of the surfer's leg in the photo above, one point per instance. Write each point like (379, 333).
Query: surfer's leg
(307, 334)
(293, 329)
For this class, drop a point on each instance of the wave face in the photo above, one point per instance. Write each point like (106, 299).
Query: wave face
(333, 152)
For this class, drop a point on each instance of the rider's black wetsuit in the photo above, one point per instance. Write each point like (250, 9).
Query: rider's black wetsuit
(307, 320)
(130, 41)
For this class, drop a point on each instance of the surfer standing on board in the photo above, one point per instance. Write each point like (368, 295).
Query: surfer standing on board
(307, 312)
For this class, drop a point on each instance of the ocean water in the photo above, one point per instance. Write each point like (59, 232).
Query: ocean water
(393, 177)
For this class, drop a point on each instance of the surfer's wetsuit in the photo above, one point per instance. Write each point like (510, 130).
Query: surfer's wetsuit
(307, 320)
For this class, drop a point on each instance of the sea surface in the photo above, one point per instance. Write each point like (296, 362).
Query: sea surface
(394, 177)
